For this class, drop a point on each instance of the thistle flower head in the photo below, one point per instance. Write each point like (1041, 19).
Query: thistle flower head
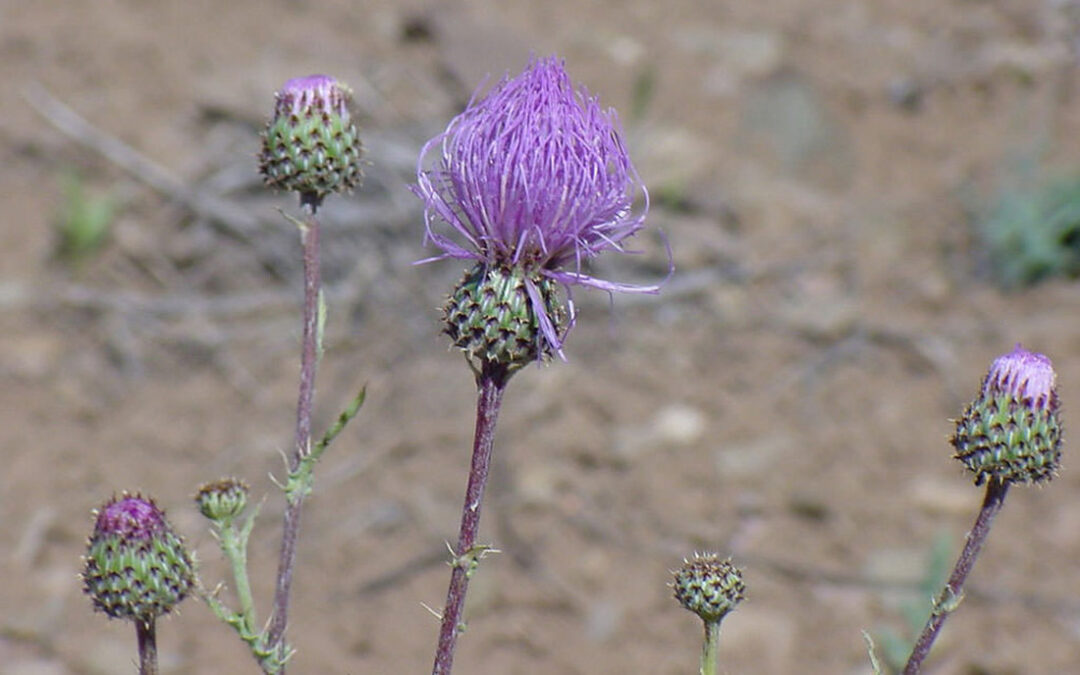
(136, 567)
(1012, 430)
(1026, 376)
(311, 145)
(534, 176)
(708, 586)
(312, 95)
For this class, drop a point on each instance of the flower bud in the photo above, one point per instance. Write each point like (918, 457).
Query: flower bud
(222, 499)
(708, 586)
(136, 567)
(492, 315)
(311, 145)
(1012, 430)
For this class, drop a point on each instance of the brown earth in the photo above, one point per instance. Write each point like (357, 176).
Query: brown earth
(815, 166)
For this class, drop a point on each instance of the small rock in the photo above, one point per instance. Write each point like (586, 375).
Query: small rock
(752, 53)
(676, 424)
(752, 458)
(679, 424)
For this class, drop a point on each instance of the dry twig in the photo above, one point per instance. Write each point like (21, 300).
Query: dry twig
(225, 215)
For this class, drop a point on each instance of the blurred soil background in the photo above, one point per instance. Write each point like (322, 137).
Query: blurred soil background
(821, 170)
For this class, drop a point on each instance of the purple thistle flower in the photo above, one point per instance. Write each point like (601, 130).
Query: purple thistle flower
(1028, 376)
(310, 95)
(131, 517)
(533, 176)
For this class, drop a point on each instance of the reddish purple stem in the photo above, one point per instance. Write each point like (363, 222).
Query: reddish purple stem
(491, 383)
(146, 635)
(992, 503)
(309, 239)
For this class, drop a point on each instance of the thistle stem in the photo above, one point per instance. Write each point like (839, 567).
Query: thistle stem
(146, 635)
(491, 383)
(953, 592)
(710, 658)
(309, 239)
(234, 544)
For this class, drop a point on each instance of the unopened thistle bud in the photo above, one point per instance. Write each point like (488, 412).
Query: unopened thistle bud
(311, 145)
(136, 567)
(1012, 430)
(222, 500)
(491, 315)
(708, 586)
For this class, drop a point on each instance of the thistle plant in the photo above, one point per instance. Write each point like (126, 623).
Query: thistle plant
(1010, 433)
(311, 147)
(137, 568)
(529, 183)
(711, 588)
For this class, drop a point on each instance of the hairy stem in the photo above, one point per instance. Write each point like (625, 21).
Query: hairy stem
(146, 635)
(710, 658)
(953, 592)
(491, 383)
(234, 543)
(309, 239)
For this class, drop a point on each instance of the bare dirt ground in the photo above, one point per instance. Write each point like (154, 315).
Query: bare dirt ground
(815, 166)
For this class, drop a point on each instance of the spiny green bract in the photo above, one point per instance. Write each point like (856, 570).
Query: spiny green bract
(491, 317)
(708, 586)
(997, 437)
(311, 145)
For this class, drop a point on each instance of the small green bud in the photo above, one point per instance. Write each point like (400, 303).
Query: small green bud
(311, 145)
(222, 499)
(491, 317)
(1012, 430)
(708, 586)
(136, 567)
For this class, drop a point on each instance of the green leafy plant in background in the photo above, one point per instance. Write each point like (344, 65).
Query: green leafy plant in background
(896, 647)
(1033, 233)
(84, 221)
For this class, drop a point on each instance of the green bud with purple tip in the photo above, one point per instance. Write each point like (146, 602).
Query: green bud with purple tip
(1012, 430)
(311, 146)
(136, 567)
